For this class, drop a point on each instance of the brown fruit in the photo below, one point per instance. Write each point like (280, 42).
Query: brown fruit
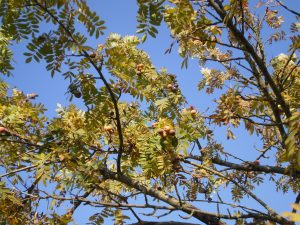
(172, 132)
(174, 89)
(160, 131)
(191, 107)
(93, 55)
(108, 128)
(256, 162)
(193, 112)
(141, 65)
(176, 159)
(167, 129)
(3, 130)
(159, 188)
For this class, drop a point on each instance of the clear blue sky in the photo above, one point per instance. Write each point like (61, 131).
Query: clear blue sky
(120, 18)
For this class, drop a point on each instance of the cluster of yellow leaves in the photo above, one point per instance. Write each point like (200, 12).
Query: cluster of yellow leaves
(287, 75)
(295, 217)
(292, 143)
(12, 209)
(230, 108)
(212, 78)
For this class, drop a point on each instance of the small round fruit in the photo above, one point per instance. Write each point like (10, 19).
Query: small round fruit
(93, 55)
(176, 159)
(193, 112)
(3, 130)
(170, 86)
(172, 132)
(174, 89)
(159, 188)
(77, 94)
(191, 107)
(160, 131)
(256, 162)
(108, 128)
(141, 65)
(167, 129)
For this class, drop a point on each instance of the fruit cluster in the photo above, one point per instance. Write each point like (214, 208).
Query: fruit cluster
(167, 130)
(95, 55)
(193, 110)
(140, 68)
(109, 128)
(173, 87)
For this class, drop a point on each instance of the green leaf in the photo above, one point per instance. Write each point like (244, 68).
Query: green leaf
(28, 60)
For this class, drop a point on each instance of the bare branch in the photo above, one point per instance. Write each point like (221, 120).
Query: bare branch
(18, 170)
(250, 167)
(288, 9)
(262, 203)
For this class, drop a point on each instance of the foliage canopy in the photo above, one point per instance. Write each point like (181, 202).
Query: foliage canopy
(118, 152)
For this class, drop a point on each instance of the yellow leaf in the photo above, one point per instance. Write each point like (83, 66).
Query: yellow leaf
(226, 7)
(292, 216)
(296, 206)
(295, 217)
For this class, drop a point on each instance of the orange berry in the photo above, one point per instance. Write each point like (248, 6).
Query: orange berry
(173, 89)
(160, 131)
(193, 112)
(108, 128)
(170, 86)
(93, 55)
(256, 162)
(167, 129)
(172, 132)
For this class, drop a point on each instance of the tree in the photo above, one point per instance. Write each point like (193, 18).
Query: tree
(116, 151)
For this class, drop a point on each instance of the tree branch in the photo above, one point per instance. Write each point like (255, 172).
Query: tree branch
(205, 217)
(162, 223)
(17, 170)
(249, 48)
(248, 168)
(288, 9)
(272, 213)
